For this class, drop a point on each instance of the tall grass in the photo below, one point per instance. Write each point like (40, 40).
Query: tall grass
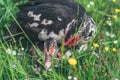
(101, 60)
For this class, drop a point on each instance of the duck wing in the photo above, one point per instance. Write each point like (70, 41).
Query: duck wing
(42, 19)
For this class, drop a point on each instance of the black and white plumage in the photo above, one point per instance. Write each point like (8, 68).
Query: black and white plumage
(59, 20)
(43, 19)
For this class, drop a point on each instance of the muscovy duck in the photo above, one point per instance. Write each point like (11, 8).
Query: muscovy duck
(56, 21)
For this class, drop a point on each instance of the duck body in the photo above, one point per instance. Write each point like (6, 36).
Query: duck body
(43, 19)
(56, 21)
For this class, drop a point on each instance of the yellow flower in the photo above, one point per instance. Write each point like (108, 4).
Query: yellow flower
(72, 61)
(95, 45)
(113, 0)
(115, 16)
(108, 22)
(114, 49)
(117, 10)
(106, 48)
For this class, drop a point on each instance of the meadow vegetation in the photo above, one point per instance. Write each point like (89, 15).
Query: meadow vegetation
(101, 60)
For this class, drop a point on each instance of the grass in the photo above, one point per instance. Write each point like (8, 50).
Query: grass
(101, 61)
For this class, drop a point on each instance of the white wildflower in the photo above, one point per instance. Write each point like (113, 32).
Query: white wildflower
(75, 78)
(50, 69)
(37, 69)
(110, 24)
(92, 3)
(107, 33)
(8, 51)
(112, 35)
(19, 53)
(22, 49)
(69, 77)
(88, 6)
(13, 65)
(56, 65)
(109, 18)
(115, 42)
(95, 54)
(13, 52)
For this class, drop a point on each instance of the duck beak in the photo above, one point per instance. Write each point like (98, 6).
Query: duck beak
(48, 58)
(49, 52)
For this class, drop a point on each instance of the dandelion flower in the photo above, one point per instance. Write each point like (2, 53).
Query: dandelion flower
(95, 45)
(72, 61)
(106, 48)
(115, 16)
(114, 49)
(117, 10)
(113, 0)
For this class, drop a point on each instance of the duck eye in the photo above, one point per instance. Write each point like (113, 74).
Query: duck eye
(54, 43)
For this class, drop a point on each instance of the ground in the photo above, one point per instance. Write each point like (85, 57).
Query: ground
(101, 60)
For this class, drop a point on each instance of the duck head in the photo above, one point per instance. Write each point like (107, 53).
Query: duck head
(50, 50)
